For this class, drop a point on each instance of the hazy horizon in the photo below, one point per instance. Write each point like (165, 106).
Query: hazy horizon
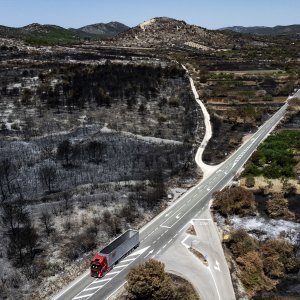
(213, 15)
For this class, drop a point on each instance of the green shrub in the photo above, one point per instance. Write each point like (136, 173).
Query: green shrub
(275, 157)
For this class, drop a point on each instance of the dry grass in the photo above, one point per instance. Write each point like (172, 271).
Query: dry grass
(272, 185)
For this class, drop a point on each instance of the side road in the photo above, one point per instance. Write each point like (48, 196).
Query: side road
(212, 281)
(206, 169)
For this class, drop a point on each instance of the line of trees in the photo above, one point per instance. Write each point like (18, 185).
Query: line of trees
(19, 231)
(79, 85)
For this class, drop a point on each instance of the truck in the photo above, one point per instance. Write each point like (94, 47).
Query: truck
(111, 254)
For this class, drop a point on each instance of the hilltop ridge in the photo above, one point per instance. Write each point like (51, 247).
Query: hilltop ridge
(49, 34)
(167, 32)
(105, 29)
(170, 32)
(264, 30)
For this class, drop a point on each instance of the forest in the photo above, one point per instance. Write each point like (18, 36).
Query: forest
(86, 151)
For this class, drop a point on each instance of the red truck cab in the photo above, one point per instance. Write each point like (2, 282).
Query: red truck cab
(99, 266)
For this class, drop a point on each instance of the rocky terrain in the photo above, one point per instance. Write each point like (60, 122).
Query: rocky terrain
(168, 32)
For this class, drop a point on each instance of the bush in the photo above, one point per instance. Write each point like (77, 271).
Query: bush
(278, 258)
(149, 281)
(261, 264)
(241, 243)
(277, 207)
(250, 181)
(234, 200)
(252, 273)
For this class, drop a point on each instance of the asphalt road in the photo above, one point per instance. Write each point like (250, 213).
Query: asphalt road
(157, 236)
(297, 94)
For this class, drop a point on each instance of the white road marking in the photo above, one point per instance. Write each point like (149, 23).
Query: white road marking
(111, 273)
(93, 288)
(217, 267)
(164, 226)
(85, 296)
(215, 283)
(149, 235)
(141, 251)
(115, 291)
(150, 252)
(118, 267)
(101, 280)
(182, 228)
(183, 242)
(132, 254)
(128, 259)
(72, 285)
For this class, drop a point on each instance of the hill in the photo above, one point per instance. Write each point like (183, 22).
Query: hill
(105, 30)
(262, 30)
(37, 34)
(167, 32)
